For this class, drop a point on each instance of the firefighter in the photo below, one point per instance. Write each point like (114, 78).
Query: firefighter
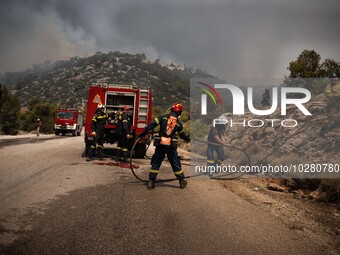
(215, 136)
(97, 125)
(123, 131)
(170, 125)
(118, 134)
(126, 132)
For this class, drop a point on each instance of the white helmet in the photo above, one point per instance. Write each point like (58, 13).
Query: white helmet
(220, 122)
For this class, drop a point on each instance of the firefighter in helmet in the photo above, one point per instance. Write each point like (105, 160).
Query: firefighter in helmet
(123, 133)
(216, 143)
(170, 125)
(98, 131)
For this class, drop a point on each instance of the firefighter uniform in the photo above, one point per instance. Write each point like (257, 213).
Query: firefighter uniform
(166, 144)
(123, 129)
(119, 127)
(97, 125)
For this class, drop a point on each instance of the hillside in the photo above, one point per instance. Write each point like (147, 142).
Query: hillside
(66, 83)
(315, 140)
(306, 143)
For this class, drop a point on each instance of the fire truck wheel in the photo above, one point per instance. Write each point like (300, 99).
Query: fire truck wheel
(140, 150)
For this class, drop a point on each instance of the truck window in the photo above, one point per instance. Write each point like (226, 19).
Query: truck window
(65, 115)
(119, 100)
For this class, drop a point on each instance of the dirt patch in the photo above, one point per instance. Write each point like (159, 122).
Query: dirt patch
(316, 220)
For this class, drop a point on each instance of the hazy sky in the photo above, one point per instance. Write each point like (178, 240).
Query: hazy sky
(240, 38)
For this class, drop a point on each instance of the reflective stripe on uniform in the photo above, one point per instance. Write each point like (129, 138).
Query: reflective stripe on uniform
(154, 171)
(93, 147)
(99, 146)
(118, 148)
(179, 172)
(157, 120)
(210, 161)
(125, 120)
(124, 150)
(93, 119)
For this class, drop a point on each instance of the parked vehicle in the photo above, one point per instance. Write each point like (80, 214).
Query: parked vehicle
(114, 97)
(68, 121)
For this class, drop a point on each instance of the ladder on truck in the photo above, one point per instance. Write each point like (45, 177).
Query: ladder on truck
(143, 110)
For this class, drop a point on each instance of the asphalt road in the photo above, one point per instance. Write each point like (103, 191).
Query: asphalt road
(54, 202)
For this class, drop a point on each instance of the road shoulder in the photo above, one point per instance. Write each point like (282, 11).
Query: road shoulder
(316, 220)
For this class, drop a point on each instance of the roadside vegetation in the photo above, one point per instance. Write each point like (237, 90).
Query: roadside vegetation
(14, 118)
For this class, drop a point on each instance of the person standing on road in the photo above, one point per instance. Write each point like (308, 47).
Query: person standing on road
(170, 126)
(38, 125)
(216, 144)
(118, 134)
(98, 131)
(125, 132)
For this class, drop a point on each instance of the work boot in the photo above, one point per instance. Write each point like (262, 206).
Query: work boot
(125, 158)
(182, 183)
(92, 155)
(100, 153)
(151, 184)
(117, 156)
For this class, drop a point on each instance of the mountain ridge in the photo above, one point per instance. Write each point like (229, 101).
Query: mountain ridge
(65, 83)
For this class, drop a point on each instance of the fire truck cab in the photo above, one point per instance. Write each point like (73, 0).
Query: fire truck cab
(114, 97)
(68, 121)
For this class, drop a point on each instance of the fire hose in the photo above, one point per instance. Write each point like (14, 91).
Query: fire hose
(226, 146)
(134, 173)
(173, 179)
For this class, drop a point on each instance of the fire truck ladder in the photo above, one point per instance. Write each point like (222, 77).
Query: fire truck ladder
(143, 110)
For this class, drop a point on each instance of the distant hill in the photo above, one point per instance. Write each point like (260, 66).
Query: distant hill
(65, 83)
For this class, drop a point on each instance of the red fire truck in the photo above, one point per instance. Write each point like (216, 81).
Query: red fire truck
(68, 121)
(113, 97)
